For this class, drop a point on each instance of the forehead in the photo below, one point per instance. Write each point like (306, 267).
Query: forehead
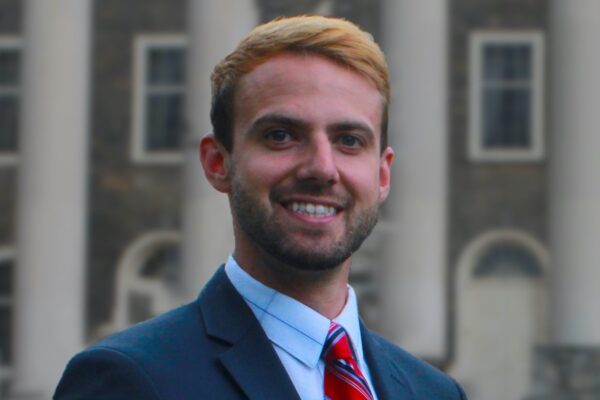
(309, 84)
(288, 66)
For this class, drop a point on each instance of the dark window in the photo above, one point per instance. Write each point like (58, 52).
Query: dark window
(6, 290)
(507, 96)
(507, 260)
(164, 121)
(10, 62)
(166, 66)
(165, 98)
(163, 264)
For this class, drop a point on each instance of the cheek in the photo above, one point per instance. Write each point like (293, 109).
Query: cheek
(363, 181)
(261, 172)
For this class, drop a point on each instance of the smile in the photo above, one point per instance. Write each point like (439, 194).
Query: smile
(312, 209)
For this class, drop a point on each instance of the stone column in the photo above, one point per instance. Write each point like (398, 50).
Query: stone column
(51, 233)
(414, 290)
(214, 29)
(574, 168)
(568, 368)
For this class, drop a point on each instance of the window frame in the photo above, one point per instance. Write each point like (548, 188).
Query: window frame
(8, 159)
(142, 44)
(476, 150)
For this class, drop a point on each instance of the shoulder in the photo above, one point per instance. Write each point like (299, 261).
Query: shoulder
(143, 361)
(98, 373)
(162, 334)
(425, 380)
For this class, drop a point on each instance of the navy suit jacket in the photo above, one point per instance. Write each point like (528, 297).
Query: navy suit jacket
(214, 348)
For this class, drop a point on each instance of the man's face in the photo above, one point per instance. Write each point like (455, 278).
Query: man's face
(306, 172)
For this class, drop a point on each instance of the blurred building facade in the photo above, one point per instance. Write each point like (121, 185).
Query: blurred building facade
(485, 260)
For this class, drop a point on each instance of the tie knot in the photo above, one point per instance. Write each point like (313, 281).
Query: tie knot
(337, 346)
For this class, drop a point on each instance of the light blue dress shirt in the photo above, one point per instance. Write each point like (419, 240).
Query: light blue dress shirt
(296, 331)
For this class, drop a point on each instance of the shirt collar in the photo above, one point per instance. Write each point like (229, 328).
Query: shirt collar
(294, 327)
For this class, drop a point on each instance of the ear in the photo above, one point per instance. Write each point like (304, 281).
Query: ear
(215, 162)
(385, 173)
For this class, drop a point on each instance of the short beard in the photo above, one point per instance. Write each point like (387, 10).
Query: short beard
(271, 236)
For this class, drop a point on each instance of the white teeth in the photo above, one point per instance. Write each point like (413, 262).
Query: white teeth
(315, 210)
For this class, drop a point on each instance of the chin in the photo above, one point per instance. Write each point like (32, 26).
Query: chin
(308, 259)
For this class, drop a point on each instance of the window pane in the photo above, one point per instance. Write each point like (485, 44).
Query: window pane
(9, 123)
(5, 335)
(508, 260)
(9, 66)
(506, 118)
(6, 270)
(507, 62)
(166, 66)
(163, 264)
(164, 121)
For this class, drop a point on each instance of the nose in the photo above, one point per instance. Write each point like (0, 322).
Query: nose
(318, 162)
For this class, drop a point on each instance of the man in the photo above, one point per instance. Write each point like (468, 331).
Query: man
(299, 146)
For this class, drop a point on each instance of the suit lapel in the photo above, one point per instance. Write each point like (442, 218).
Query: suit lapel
(388, 379)
(257, 369)
(251, 359)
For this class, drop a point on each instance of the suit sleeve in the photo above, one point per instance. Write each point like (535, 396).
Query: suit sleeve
(103, 373)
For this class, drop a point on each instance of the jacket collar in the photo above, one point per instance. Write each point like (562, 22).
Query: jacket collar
(251, 359)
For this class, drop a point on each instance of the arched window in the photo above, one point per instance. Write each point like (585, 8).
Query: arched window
(147, 277)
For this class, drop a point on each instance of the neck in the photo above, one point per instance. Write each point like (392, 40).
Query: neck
(323, 291)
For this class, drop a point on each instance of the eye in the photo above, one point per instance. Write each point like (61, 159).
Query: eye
(351, 141)
(278, 136)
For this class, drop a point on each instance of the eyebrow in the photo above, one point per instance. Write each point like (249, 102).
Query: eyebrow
(353, 126)
(279, 119)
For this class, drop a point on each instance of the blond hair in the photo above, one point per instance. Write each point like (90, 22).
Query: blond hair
(334, 38)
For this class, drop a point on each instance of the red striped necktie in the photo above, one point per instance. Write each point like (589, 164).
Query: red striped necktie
(343, 379)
